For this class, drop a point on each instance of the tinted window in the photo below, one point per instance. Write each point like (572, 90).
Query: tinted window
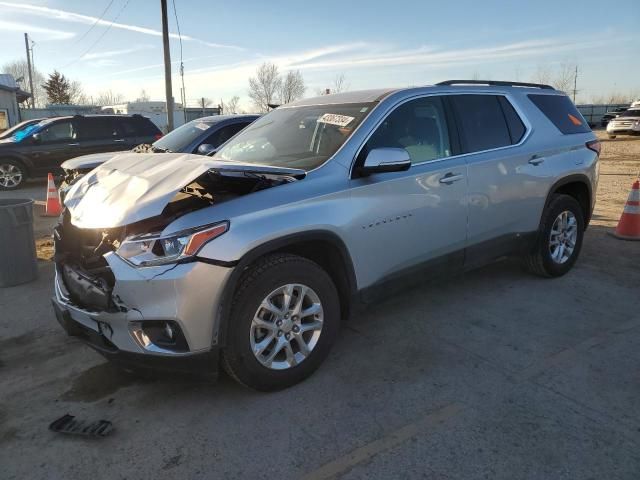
(144, 126)
(127, 127)
(630, 113)
(90, 128)
(418, 126)
(562, 113)
(514, 122)
(225, 133)
(482, 122)
(58, 132)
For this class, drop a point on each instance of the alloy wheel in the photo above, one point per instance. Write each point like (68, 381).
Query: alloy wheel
(286, 327)
(563, 237)
(10, 175)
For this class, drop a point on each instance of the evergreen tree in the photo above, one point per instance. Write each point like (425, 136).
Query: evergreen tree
(58, 89)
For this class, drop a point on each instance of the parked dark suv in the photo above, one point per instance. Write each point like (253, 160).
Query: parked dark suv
(41, 148)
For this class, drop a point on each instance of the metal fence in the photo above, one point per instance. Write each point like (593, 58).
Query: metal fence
(593, 113)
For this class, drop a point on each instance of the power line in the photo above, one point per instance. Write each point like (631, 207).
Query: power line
(94, 23)
(101, 36)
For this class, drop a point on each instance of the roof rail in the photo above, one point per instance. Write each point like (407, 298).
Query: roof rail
(496, 83)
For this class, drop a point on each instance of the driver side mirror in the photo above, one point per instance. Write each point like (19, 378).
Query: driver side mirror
(380, 160)
(36, 138)
(207, 149)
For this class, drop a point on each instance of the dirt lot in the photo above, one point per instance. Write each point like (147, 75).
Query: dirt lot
(496, 374)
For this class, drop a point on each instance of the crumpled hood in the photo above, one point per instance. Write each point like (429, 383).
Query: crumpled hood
(88, 162)
(135, 186)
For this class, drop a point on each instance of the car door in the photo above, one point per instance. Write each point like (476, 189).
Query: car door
(52, 145)
(413, 221)
(506, 182)
(97, 135)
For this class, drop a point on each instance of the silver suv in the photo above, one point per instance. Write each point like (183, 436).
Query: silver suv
(253, 256)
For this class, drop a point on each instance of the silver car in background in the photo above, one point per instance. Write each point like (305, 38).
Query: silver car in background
(254, 256)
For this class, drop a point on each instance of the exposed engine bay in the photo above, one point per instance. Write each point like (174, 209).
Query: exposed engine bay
(79, 252)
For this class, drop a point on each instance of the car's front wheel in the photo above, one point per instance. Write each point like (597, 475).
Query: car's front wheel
(559, 238)
(12, 174)
(284, 319)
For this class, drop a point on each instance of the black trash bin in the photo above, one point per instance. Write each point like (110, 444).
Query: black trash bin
(18, 262)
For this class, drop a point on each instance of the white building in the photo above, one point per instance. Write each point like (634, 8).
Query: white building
(155, 111)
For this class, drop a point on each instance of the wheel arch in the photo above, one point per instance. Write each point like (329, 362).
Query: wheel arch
(322, 247)
(577, 186)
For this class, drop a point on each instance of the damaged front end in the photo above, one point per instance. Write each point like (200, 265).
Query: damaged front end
(131, 288)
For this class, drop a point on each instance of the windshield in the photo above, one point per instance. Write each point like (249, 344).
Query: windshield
(297, 137)
(631, 113)
(181, 137)
(26, 131)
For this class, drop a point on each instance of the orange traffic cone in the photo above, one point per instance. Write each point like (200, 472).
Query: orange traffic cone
(53, 207)
(629, 225)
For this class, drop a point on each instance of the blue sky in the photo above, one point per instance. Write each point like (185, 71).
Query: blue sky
(373, 43)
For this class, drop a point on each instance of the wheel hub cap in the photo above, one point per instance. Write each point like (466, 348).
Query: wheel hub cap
(286, 327)
(563, 237)
(10, 175)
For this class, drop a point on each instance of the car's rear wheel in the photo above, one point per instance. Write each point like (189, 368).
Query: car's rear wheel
(284, 319)
(559, 238)
(12, 174)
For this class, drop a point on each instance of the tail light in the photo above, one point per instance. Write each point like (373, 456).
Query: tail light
(595, 146)
(158, 136)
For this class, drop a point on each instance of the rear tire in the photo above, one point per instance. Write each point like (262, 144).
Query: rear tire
(265, 283)
(12, 174)
(557, 248)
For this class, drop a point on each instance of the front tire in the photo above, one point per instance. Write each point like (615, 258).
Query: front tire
(12, 174)
(559, 238)
(285, 317)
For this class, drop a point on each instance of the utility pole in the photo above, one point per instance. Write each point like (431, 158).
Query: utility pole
(575, 84)
(167, 65)
(26, 44)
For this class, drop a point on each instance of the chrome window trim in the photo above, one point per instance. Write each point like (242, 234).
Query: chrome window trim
(507, 96)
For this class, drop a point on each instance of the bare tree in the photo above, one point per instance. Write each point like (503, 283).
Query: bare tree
(204, 102)
(76, 93)
(565, 77)
(291, 87)
(232, 105)
(108, 97)
(264, 87)
(144, 97)
(542, 74)
(340, 83)
(19, 69)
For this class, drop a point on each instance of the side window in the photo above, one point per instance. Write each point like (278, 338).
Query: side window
(514, 122)
(220, 136)
(93, 128)
(127, 128)
(482, 122)
(419, 126)
(59, 132)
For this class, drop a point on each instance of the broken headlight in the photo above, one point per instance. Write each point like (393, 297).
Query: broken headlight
(153, 249)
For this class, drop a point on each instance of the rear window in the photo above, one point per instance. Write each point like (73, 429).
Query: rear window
(562, 113)
(136, 127)
(483, 124)
(631, 113)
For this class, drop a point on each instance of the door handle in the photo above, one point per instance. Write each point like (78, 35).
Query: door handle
(450, 177)
(536, 160)
(73, 144)
(119, 140)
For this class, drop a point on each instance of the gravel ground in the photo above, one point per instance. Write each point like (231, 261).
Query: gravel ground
(496, 374)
